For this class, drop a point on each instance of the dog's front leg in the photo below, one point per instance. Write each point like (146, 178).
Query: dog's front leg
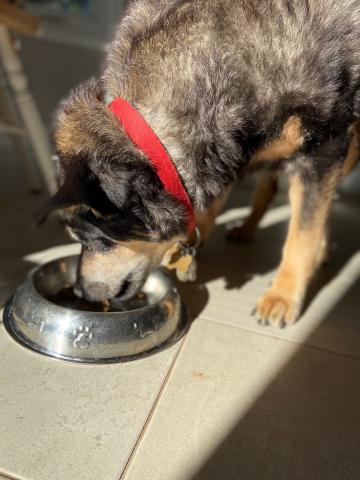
(311, 191)
(206, 220)
(264, 192)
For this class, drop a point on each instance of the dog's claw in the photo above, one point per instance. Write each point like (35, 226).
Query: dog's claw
(261, 321)
(276, 310)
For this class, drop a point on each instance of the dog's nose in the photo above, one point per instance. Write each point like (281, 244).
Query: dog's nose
(96, 291)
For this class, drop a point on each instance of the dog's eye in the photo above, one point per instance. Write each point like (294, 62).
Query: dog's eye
(103, 243)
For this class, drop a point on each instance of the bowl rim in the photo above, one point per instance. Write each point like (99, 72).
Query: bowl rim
(30, 282)
(184, 324)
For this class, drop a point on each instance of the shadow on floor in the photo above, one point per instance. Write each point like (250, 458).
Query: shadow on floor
(238, 263)
(305, 425)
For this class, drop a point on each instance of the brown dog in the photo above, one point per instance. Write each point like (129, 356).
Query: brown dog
(228, 87)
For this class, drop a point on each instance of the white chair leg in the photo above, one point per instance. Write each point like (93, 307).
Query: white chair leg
(18, 136)
(27, 109)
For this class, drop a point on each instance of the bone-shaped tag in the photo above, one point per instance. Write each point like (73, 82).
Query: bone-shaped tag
(185, 265)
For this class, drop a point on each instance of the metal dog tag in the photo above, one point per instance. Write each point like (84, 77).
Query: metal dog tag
(184, 261)
(186, 269)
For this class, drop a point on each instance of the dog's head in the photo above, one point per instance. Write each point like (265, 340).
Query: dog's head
(111, 199)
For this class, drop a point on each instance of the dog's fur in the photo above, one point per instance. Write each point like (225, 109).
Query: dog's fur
(228, 86)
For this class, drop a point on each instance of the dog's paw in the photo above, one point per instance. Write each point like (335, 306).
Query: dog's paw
(277, 310)
(242, 234)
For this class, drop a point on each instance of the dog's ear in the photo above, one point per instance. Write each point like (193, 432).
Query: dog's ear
(133, 186)
(80, 186)
(118, 183)
(70, 193)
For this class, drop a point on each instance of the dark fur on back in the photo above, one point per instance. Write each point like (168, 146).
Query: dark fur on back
(215, 80)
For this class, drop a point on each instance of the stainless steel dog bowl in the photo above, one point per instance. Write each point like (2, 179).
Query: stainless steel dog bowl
(142, 328)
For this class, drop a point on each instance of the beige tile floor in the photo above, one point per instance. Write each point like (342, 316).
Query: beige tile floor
(232, 401)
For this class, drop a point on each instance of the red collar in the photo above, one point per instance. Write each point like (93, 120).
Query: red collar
(141, 134)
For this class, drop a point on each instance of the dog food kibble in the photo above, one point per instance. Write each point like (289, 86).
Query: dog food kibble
(67, 298)
(106, 304)
(63, 267)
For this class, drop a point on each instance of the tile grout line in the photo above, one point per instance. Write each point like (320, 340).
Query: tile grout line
(172, 366)
(154, 406)
(293, 342)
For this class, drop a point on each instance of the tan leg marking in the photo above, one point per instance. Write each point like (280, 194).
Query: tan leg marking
(264, 192)
(205, 220)
(289, 142)
(302, 254)
(353, 154)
